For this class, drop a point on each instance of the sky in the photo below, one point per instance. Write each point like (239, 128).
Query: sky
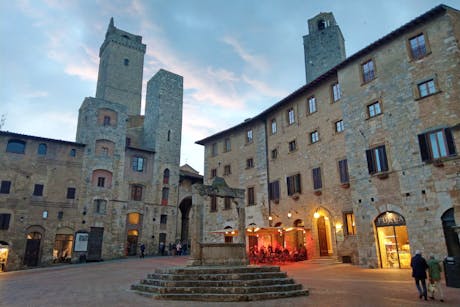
(237, 57)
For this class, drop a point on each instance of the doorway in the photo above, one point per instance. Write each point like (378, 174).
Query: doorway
(133, 235)
(451, 237)
(393, 241)
(95, 239)
(322, 236)
(32, 252)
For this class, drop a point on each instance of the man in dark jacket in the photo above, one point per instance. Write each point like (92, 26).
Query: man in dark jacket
(419, 266)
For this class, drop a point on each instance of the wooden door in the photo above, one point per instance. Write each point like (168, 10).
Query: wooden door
(32, 252)
(322, 237)
(95, 243)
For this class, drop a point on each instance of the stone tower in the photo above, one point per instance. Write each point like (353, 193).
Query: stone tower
(120, 69)
(324, 46)
(163, 129)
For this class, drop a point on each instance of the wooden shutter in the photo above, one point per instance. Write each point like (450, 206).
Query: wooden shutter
(317, 183)
(424, 152)
(343, 169)
(384, 161)
(370, 161)
(450, 142)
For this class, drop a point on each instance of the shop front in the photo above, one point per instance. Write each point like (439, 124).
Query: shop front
(4, 249)
(392, 241)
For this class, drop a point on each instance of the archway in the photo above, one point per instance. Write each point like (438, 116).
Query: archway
(451, 237)
(32, 252)
(393, 240)
(323, 227)
(133, 227)
(184, 207)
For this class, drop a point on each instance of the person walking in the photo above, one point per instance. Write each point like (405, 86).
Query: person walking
(162, 248)
(178, 249)
(142, 250)
(419, 266)
(434, 273)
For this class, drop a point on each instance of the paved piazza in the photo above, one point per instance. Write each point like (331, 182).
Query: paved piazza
(107, 284)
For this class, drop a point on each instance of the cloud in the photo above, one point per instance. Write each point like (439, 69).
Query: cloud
(263, 88)
(36, 94)
(256, 62)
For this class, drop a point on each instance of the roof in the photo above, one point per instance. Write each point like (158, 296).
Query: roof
(333, 71)
(38, 138)
(141, 149)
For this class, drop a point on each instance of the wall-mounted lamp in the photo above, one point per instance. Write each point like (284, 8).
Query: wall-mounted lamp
(270, 218)
(289, 214)
(316, 214)
(338, 226)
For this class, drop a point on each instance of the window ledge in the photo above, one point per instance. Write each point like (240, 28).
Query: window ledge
(382, 176)
(345, 185)
(369, 81)
(295, 196)
(318, 192)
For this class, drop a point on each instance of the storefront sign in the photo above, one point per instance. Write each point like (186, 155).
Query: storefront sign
(389, 219)
(81, 242)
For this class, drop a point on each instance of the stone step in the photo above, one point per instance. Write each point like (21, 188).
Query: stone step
(217, 283)
(229, 276)
(216, 290)
(218, 269)
(225, 297)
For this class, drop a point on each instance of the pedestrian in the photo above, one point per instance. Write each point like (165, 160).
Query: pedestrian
(162, 248)
(434, 273)
(142, 250)
(184, 248)
(419, 266)
(178, 249)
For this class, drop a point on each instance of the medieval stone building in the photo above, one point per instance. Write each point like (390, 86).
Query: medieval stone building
(118, 186)
(361, 163)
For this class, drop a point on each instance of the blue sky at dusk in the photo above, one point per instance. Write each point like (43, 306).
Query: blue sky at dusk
(237, 57)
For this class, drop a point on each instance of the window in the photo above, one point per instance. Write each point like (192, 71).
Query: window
(213, 172)
(426, 88)
(317, 182)
(339, 126)
(311, 105)
(377, 160)
(227, 170)
(292, 146)
(73, 152)
(343, 171)
(126, 62)
(5, 221)
(166, 176)
(314, 137)
(418, 46)
(274, 190)
(105, 151)
(100, 206)
(38, 190)
(214, 149)
(251, 197)
(101, 182)
(106, 121)
(249, 136)
(436, 144)
(336, 95)
(374, 109)
(227, 203)
(138, 164)
(16, 146)
(5, 187)
(163, 219)
(134, 218)
(250, 163)
(227, 145)
(42, 148)
(350, 226)
(128, 142)
(291, 116)
(213, 203)
(274, 154)
(71, 193)
(164, 196)
(368, 71)
(293, 184)
(136, 192)
(169, 136)
(274, 127)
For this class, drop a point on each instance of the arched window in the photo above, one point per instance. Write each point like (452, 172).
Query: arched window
(164, 196)
(134, 218)
(42, 148)
(169, 135)
(166, 176)
(102, 178)
(16, 146)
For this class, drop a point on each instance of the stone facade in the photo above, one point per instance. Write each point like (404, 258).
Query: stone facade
(371, 160)
(116, 187)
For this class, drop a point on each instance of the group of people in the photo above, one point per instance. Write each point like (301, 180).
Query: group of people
(419, 268)
(262, 254)
(175, 249)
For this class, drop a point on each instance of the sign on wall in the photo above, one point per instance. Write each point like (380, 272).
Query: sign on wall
(81, 242)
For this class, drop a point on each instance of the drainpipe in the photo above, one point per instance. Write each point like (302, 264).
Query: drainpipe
(268, 173)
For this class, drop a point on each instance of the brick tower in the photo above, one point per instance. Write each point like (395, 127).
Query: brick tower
(324, 46)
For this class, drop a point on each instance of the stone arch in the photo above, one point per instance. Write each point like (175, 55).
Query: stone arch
(104, 147)
(450, 236)
(107, 117)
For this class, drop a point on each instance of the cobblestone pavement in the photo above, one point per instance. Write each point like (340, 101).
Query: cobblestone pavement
(107, 284)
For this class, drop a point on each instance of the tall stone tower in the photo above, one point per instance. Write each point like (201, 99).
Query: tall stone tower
(120, 69)
(324, 46)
